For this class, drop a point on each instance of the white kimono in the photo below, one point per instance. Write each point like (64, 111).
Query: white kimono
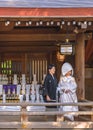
(68, 83)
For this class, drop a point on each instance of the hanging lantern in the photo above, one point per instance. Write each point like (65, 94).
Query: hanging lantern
(66, 49)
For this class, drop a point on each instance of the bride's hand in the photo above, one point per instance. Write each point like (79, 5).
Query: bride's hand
(67, 91)
(48, 98)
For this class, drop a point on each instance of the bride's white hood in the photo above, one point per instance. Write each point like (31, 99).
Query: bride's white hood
(66, 67)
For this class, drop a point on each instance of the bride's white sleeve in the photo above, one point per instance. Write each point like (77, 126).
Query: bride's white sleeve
(73, 85)
(60, 86)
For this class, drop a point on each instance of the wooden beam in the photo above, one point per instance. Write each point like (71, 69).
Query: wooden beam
(42, 125)
(44, 113)
(38, 37)
(28, 49)
(35, 37)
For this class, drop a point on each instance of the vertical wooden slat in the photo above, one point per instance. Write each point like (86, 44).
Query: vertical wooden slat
(29, 70)
(42, 70)
(38, 70)
(45, 66)
(25, 64)
(32, 67)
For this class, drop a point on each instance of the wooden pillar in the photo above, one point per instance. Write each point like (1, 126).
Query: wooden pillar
(24, 119)
(80, 65)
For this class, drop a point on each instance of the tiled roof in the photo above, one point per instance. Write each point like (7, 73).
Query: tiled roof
(46, 3)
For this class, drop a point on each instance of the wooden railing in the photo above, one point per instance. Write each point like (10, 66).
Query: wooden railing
(24, 115)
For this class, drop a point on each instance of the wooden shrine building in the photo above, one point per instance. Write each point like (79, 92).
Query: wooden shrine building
(31, 35)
